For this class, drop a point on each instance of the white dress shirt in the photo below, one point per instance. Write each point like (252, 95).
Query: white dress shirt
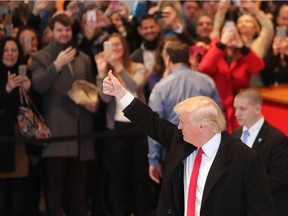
(210, 149)
(253, 131)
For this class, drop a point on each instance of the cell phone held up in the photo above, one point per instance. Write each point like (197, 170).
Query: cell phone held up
(73, 44)
(229, 24)
(91, 16)
(281, 32)
(158, 15)
(22, 70)
(107, 47)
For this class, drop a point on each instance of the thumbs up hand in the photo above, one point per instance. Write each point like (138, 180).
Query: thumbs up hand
(112, 86)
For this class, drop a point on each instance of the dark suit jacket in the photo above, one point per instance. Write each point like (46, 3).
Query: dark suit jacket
(272, 145)
(137, 56)
(237, 184)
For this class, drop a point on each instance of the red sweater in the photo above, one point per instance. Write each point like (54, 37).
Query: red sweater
(230, 78)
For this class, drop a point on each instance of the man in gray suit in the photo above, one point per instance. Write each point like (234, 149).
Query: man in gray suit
(266, 140)
(54, 70)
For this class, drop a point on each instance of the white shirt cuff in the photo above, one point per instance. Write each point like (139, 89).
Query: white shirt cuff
(126, 99)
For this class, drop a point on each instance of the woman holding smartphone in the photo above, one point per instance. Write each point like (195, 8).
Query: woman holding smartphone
(11, 182)
(126, 154)
(254, 27)
(230, 64)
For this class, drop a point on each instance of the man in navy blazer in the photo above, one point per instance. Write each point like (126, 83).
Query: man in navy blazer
(266, 140)
(232, 180)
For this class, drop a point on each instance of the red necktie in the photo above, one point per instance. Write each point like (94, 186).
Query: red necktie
(193, 184)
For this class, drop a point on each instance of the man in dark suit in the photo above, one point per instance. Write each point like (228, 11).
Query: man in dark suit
(266, 140)
(232, 178)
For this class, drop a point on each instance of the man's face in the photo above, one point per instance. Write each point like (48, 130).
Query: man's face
(61, 34)
(246, 112)
(191, 10)
(149, 29)
(204, 26)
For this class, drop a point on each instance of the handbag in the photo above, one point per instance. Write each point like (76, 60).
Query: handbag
(31, 124)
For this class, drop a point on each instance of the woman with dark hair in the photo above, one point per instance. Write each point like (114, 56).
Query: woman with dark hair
(126, 154)
(11, 182)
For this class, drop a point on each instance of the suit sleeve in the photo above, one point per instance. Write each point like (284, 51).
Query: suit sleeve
(148, 121)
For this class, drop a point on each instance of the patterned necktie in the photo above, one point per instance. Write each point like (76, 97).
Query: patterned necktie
(245, 136)
(193, 184)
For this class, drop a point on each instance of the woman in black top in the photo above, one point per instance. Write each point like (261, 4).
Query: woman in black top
(10, 58)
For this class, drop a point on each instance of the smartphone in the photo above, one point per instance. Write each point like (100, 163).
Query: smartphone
(73, 44)
(91, 16)
(4, 10)
(22, 70)
(229, 24)
(27, 40)
(236, 2)
(281, 32)
(158, 15)
(107, 47)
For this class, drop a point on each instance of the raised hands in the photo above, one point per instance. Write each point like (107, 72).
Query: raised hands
(15, 81)
(231, 38)
(101, 64)
(40, 5)
(112, 86)
(65, 57)
(102, 59)
(280, 46)
(249, 6)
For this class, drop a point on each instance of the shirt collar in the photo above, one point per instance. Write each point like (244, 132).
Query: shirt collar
(255, 127)
(210, 147)
(179, 68)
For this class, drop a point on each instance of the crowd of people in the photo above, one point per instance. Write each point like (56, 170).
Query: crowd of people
(162, 53)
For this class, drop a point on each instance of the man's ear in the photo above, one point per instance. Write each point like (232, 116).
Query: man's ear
(258, 109)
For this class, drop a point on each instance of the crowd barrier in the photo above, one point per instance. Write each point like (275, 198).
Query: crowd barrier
(52, 140)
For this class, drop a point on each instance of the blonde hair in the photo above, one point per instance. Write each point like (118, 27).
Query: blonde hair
(203, 109)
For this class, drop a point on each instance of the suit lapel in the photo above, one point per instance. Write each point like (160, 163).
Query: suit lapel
(218, 167)
(237, 133)
(261, 136)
